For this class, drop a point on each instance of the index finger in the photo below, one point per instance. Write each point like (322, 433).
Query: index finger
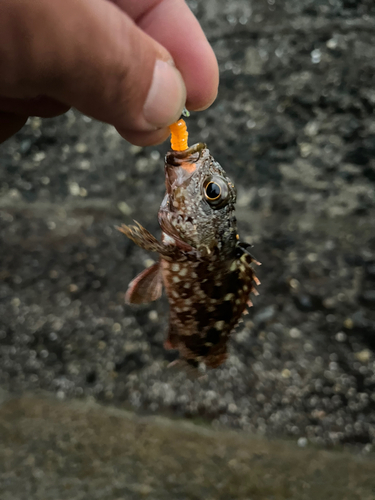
(173, 25)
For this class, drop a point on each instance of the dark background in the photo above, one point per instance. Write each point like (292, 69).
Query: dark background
(293, 126)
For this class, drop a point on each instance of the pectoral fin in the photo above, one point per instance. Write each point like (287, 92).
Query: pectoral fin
(146, 287)
(145, 239)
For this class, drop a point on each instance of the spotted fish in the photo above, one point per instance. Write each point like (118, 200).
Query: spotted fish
(205, 269)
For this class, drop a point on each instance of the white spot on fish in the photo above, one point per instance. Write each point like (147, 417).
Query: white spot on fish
(183, 271)
(175, 279)
(219, 325)
(233, 267)
(168, 239)
(229, 296)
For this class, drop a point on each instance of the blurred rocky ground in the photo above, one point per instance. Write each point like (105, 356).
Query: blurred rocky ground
(293, 125)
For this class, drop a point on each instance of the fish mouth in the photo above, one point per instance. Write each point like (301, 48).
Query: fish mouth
(181, 165)
(173, 157)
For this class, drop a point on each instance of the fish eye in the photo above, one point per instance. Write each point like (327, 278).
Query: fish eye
(213, 191)
(216, 191)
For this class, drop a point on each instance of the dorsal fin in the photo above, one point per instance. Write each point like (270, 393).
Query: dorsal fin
(146, 287)
(243, 248)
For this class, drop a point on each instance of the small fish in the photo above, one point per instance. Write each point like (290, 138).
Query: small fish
(205, 269)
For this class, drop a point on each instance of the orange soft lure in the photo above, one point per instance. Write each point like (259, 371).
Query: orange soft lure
(179, 135)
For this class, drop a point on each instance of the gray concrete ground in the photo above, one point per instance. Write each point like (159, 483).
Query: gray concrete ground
(77, 451)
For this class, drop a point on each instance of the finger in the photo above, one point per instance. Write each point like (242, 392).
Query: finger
(145, 138)
(174, 26)
(42, 106)
(92, 56)
(10, 124)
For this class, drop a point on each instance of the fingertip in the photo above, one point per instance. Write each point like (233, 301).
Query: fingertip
(176, 28)
(203, 92)
(144, 139)
(166, 96)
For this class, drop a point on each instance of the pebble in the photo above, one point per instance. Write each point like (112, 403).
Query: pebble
(302, 442)
(369, 296)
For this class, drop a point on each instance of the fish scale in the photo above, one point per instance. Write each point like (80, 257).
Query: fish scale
(205, 269)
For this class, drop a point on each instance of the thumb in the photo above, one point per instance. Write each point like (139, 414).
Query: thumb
(92, 56)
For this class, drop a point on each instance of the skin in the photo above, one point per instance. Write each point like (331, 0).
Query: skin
(99, 57)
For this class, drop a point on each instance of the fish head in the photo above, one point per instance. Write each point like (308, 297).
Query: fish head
(198, 208)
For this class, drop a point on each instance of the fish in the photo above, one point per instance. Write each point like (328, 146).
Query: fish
(203, 266)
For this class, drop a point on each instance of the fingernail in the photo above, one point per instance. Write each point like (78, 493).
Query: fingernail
(166, 97)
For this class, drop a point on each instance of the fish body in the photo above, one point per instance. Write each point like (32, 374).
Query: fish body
(205, 270)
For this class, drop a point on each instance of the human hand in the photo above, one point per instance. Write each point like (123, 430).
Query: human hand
(112, 60)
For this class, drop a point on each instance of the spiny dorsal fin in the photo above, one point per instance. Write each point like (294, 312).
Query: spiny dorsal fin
(243, 248)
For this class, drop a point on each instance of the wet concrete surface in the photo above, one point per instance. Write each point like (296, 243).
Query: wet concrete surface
(80, 450)
(293, 126)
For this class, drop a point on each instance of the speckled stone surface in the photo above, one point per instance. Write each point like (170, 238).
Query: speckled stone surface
(294, 127)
